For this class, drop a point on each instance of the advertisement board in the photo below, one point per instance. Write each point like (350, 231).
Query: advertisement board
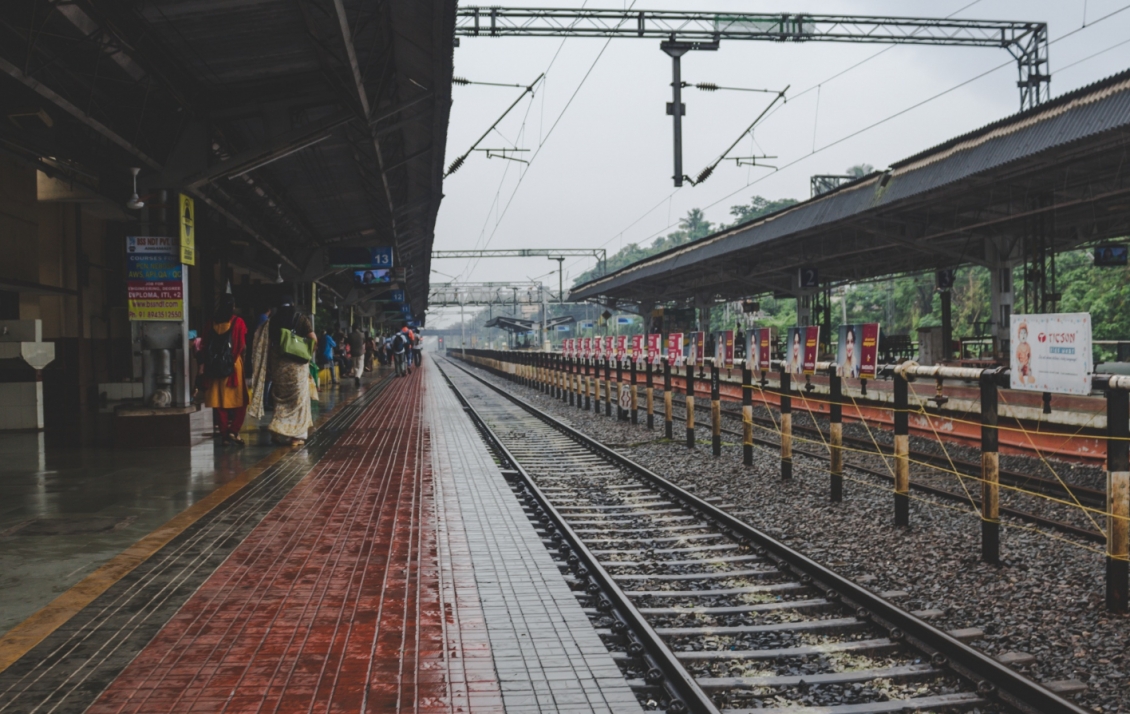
(1051, 353)
(857, 350)
(654, 348)
(637, 348)
(621, 348)
(800, 350)
(675, 349)
(759, 349)
(596, 351)
(724, 349)
(609, 351)
(154, 279)
(699, 348)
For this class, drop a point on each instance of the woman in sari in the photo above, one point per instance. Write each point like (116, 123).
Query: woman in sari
(227, 394)
(290, 378)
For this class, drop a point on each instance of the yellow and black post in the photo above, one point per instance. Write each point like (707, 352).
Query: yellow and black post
(990, 472)
(902, 450)
(747, 414)
(571, 380)
(1118, 500)
(608, 386)
(786, 426)
(635, 395)
(588, 385)
(621, 413)
(668, 396)
(715, 410)
(836, 433)
(690, 405)
(650, 395)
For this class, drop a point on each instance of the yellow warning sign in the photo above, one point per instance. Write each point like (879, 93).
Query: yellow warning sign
(187, 230)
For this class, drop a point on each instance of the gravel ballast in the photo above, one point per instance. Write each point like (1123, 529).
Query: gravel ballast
(1045, 599)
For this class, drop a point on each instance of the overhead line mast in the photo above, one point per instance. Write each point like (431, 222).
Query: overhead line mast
(681, 32)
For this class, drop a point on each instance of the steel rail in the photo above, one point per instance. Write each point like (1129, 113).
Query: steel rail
(992, 679)
(680, 683)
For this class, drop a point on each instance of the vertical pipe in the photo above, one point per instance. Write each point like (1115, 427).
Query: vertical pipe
(676, 110)
(650, 396)
(786, 426)
(1118, 500)
(747, 412)
(715, 410)
(990, 472)
(902, 451)
(635, 411)
(836, 434)
(668, 396)
(690, 405)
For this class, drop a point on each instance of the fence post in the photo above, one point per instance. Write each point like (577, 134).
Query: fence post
(786, 426)
(747, 413)
(1118, 500)
(690, 405)
(650, 396)
(621, 414)
(635, 395)
(668, 396)
(562, 378)
(836, 434)
(715, 410)
(608, 386)
(902, 450)
(990, 472)
(588, 385)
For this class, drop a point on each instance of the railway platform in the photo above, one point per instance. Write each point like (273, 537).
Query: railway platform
(384, 567)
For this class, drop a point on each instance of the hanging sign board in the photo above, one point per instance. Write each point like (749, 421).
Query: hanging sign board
(654, 348)
(1051, 353)
(154, 279)
(187, 230)
(857, 350)
(675, 349)
(359, 257)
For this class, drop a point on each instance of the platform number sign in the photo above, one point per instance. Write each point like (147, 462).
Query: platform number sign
(808, 277)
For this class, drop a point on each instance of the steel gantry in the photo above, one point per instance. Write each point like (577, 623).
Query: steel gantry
(558, 254)
(681, 32)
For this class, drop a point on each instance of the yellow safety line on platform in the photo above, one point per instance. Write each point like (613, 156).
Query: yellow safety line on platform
(22, 638)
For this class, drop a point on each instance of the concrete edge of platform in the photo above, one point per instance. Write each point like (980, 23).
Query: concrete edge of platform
(24, 637)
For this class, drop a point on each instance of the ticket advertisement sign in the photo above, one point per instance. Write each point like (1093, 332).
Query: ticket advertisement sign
(154, 279)
(1051, 353)
(621, 348)
(759, 349)
(724, 349)
(800, 351)
(654, 348)
(675, 349)
(637, 348)
(567, 347)
(691, 341)
(857, 350)
(608, 349)
(699, 347)
(596, 350)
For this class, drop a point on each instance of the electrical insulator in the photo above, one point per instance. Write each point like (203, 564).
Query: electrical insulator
(707, 86)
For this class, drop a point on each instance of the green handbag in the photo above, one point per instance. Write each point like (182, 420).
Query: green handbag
(299, 349)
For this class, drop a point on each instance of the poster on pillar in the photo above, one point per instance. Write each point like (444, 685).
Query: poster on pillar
(690, 347)
(857, 350)
(585, 347)
(154, 279)
(1051, 353)
(607, 346)
(187, 230)
(595, 351)
(700, 348)
(637, 348)
(800, 351)
(621, 348)
(675, 349)
(724, 349)
(654, 348)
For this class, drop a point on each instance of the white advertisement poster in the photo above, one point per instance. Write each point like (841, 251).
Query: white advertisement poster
(1051, 353)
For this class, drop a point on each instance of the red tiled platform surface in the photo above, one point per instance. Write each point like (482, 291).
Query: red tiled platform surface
(342, 599)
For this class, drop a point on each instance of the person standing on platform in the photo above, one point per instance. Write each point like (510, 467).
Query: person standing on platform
(225, 390)
(357, 353)
(399, 346)
(289, 375)
(416, 348)
(370, 351)
(326, 355)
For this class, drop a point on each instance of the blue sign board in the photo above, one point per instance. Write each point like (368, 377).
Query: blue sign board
(622, 320)
(396, 296)
(587, 325)
(563, 328)
(406, 309)
(359, 257)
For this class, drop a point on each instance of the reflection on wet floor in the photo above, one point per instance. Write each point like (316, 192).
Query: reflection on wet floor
(64, 511)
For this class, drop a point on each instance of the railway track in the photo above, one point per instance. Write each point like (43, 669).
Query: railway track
(705, 613)
(1082, 533)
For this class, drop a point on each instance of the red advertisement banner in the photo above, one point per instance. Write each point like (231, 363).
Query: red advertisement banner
(675, 349)
(608, 352)
(621, 348)
(654, 348)
(637, 348)
(869, 352)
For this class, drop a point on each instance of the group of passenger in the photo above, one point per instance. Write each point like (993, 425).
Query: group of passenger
(279, 373)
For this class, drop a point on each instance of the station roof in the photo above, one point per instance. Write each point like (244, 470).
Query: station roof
(297, 123)
(1056, 170)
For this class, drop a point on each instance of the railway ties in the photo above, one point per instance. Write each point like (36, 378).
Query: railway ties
(704, 613)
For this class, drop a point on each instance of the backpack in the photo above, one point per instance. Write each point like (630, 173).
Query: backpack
(399, 342)
(219, 362)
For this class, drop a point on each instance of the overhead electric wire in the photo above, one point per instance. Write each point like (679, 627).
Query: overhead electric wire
(881, 121)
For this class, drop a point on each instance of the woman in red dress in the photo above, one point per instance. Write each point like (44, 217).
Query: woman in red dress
(226, 393)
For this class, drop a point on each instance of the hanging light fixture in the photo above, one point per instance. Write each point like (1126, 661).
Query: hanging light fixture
(279, 278)
(135, 203)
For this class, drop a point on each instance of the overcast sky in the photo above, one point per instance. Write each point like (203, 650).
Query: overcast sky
(601, 167)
